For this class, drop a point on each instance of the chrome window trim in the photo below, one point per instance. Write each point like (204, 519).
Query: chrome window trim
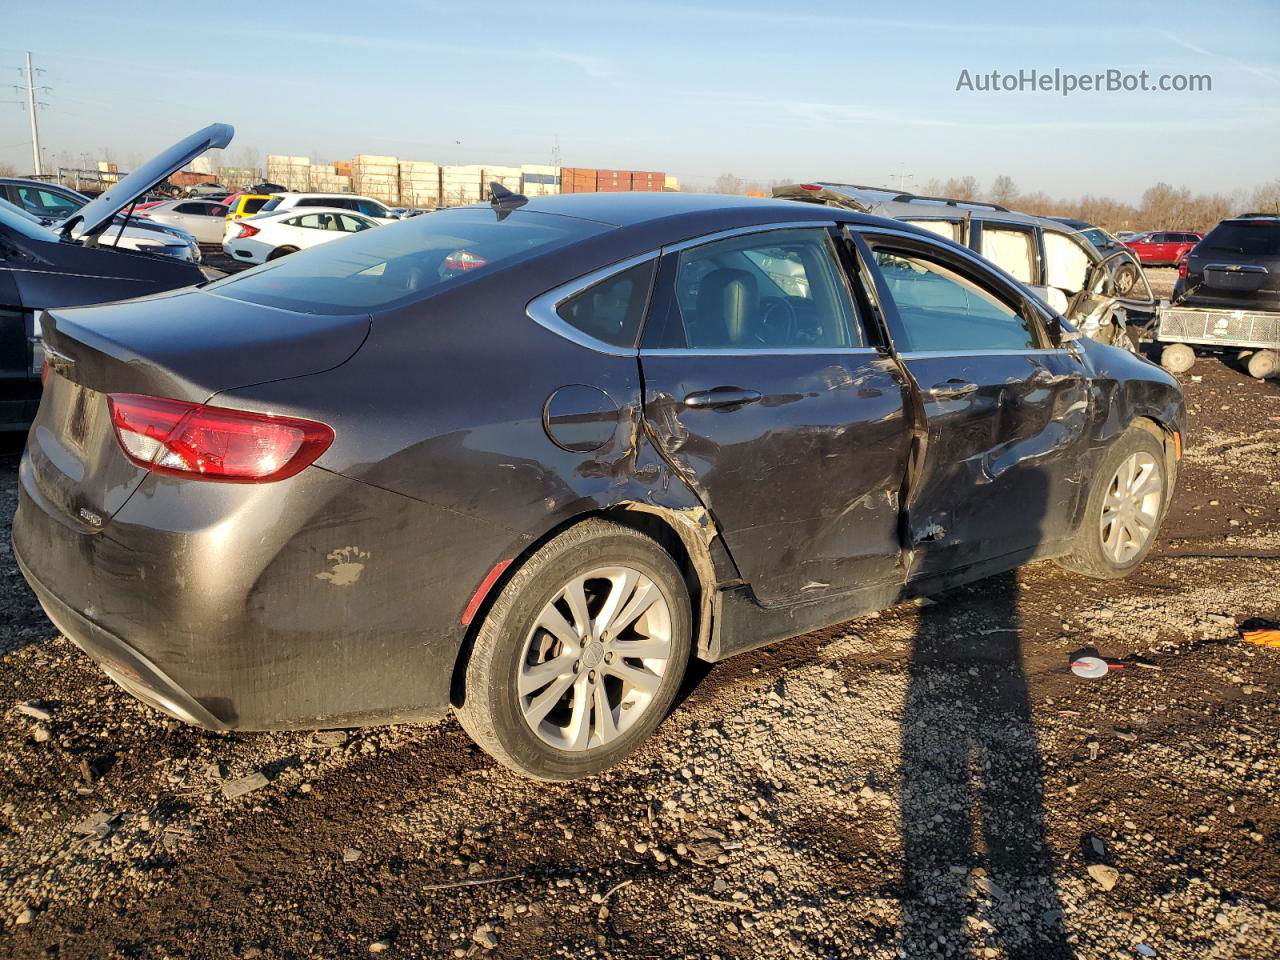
(758, 351)
(542, 308)
(1029, 352)
(743, 231)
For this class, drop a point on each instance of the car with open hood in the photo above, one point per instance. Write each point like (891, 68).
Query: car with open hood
(76, 261)
(525, 460)
(53, 203)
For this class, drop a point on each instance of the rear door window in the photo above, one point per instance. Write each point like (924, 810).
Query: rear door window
(252, 205)
(370, 208)
(1013, 251)
(779, 289)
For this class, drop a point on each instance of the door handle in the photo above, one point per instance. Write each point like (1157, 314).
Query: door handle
(721, 397)
(952, 388)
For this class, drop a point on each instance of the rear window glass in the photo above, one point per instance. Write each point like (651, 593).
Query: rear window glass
(1258, 239)
(272, 204)
(252, 205)
(397, 264)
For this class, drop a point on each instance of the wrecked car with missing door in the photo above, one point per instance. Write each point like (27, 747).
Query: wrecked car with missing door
(525, 461)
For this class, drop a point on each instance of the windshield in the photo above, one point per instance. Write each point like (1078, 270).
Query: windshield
(393, 265)
(24, 223)
(1257, 238)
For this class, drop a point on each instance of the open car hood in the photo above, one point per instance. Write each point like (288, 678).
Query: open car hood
(95, 216)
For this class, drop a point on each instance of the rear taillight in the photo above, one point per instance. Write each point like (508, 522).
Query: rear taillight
(1182, 269)
(214, 443)
(246, 231)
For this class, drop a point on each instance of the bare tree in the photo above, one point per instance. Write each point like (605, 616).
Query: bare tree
(1003, 191)
(8, 170)
(728, 183)
(1266, 198)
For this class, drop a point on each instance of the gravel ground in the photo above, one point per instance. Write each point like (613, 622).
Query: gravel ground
(928, 782)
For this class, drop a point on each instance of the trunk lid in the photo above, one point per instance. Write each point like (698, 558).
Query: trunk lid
(188, 346)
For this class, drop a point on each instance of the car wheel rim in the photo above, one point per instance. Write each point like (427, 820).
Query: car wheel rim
(595, 658)
(1131, 508)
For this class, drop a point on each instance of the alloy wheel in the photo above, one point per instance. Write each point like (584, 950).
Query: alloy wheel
(594, 658)
(1131, 508)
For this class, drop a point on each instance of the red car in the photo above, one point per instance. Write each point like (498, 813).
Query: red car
(1163, 248)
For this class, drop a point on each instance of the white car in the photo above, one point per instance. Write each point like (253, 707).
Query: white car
(332, 201)
(270, 235)
(203, 219)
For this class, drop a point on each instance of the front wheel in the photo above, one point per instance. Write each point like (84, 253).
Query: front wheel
(581, 655)
(1126, 504)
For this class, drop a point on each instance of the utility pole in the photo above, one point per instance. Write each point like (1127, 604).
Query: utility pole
(31, 109)
(902, 177)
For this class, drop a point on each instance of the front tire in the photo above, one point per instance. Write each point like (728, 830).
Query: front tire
(581, 655)
(1126, 504)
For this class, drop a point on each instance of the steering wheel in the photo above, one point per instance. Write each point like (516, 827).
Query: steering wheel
(777, 322)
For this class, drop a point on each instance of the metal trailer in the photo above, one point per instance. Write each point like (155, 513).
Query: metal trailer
(1254, 333)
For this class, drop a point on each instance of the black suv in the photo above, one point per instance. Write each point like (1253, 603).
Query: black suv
(1237, 266)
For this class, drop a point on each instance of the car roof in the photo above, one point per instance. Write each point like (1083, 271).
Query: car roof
(628, 209)
(306, 212)
(900, 205)
(320, 193)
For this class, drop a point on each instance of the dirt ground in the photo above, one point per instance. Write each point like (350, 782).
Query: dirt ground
(928, 782)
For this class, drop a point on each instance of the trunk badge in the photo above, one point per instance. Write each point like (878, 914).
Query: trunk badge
(89, 517)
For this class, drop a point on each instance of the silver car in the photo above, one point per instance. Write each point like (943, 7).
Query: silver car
(203, 219)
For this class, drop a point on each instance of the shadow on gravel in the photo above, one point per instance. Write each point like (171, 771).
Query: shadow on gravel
(972, 789)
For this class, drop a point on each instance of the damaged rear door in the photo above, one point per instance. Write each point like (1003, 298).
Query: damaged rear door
(762, 390)
(1001, 413)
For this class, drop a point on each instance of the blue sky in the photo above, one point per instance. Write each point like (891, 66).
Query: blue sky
(695, 89)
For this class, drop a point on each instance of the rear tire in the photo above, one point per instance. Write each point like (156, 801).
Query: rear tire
(1177, 358)
(549, 690)
(1263, 364)
(279, 252)
(1126, 504)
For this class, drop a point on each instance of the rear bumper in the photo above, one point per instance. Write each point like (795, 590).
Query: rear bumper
(315, 602)
(130, 669)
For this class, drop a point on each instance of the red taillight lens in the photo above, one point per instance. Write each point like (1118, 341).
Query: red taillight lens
(811, 187)
(214, 443)
(462, 260)
(1182, 269)
(246, 231)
